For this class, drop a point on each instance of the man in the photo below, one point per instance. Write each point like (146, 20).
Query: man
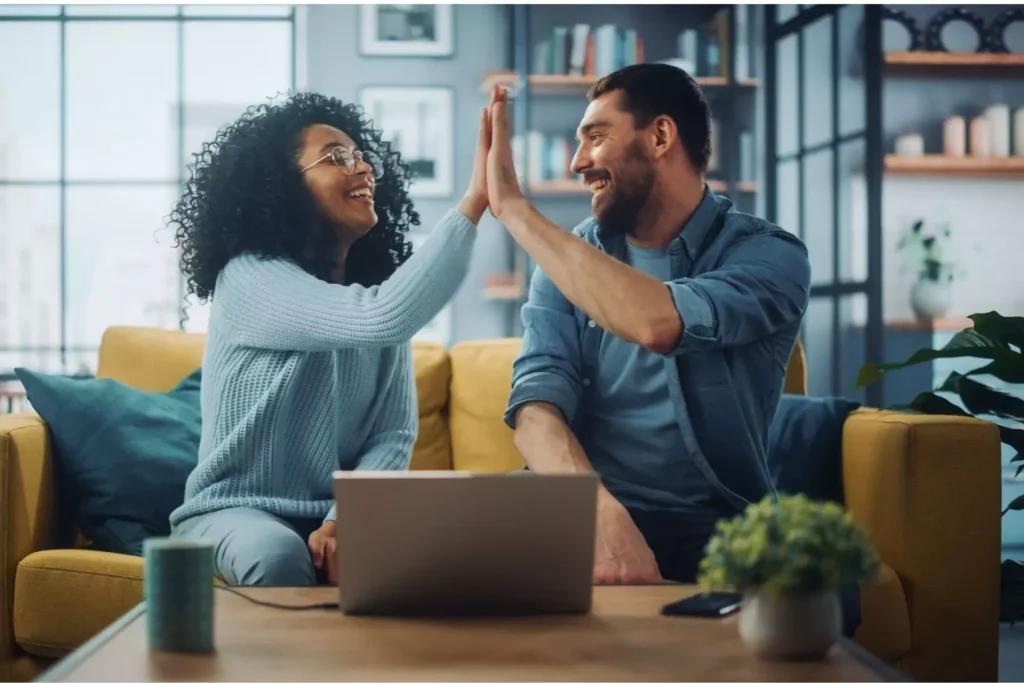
(657, 334)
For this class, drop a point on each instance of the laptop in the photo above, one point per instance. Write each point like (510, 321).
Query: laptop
(461, 543)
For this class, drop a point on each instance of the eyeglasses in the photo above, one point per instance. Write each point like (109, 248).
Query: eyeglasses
(347, 160)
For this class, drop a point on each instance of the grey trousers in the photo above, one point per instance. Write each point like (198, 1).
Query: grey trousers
(255, 548)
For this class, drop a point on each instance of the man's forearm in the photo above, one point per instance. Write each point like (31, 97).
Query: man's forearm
(631, 305)
(548, 445)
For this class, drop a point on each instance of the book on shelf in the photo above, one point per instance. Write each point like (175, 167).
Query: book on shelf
(583, 51)
(541, 157)
(704, 50)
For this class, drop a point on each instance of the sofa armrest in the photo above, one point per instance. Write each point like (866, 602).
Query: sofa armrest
(927, 490)
(26, 506)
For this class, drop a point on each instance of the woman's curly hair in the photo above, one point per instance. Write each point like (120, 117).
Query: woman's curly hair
(246, 195)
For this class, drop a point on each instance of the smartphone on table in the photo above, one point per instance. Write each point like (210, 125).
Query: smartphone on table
(714, 605)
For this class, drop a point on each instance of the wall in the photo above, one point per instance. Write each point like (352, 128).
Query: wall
(335, 67)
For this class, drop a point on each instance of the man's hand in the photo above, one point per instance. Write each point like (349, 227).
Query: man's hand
(474, 202)
(502, 185)
(322, 545)
(621, 553)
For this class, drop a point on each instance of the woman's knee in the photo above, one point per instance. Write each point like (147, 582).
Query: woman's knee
(285, 563)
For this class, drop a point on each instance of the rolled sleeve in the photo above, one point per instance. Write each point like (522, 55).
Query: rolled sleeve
(547, 369)
(762, 287)
(542, 387)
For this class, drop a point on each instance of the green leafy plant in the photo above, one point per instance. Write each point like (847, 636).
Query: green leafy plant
(926, 253)
(994, 338)
(788, 545)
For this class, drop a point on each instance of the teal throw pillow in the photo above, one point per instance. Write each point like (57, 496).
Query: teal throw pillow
(122, 455)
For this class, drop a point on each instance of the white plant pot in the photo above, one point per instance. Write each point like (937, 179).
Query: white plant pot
(790, 627)
(930, 299)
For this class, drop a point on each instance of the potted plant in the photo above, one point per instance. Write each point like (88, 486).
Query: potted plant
(789, 557)
(925, 252)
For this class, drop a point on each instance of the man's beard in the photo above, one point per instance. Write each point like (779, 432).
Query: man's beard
(630, 193)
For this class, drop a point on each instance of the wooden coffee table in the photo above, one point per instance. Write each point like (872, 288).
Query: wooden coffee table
(623, 639)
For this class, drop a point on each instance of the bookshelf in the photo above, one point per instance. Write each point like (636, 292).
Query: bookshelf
(564, 59)
(565, 84)
(953, 64)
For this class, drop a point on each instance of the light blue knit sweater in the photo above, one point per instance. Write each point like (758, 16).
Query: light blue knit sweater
(302, 377)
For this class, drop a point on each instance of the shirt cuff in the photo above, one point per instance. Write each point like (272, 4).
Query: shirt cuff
(332, 514)
(546, 388)
(699, 323)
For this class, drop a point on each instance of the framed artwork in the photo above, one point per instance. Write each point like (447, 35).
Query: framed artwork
(440, 328)
(418, 124)
(406, 30)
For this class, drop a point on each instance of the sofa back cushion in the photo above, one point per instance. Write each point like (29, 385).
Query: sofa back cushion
(481, 382)
(156, 360)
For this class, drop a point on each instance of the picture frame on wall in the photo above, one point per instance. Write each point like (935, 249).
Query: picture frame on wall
(418, 124)
(439, 329)
(406, 30)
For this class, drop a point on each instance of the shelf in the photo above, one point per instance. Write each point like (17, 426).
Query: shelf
(937, 165)
(560, 84)
(553, 188)
(939, 324)
(962, 63)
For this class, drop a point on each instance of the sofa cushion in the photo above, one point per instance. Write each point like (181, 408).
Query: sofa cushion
(64, 597)
(433, 449)
(481, 382)
(121, 454)
(149, 359)
(885, 620)
(805, 446)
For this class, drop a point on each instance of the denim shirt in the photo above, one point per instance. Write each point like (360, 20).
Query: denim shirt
(741, 286)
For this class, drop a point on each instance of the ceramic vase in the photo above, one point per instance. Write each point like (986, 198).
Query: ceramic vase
(930, 299)
(790, 626)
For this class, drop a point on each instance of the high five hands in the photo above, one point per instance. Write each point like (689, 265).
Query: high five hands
(494, 183)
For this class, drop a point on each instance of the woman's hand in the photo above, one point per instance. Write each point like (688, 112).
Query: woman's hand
(502, 184)
(474, 203)
(322, 548)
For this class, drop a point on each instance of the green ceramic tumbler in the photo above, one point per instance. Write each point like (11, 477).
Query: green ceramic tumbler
(179, 595)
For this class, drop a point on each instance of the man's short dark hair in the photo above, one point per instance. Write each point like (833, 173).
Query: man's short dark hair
(652, 90)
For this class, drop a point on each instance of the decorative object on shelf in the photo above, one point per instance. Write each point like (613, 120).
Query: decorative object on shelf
(406, 30)
(954, 137)
(418, 124)
(955, 30)
(789, 557)
(1018, 132)
(910, 145)
(998, 116)
(931, 293)
(1006, 32)
(900, 32)
(981, 137)
(583, 51)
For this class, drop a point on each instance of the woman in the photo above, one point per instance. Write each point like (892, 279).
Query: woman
(292, 223)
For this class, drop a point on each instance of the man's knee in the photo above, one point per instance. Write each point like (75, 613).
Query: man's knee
(284, 561)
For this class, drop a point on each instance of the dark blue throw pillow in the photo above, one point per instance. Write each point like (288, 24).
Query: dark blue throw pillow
(122, 455)
(805, 446)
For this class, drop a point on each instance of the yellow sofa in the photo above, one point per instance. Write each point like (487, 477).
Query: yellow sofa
(925, 487)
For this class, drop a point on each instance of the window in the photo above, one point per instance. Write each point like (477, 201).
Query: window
(97, 125)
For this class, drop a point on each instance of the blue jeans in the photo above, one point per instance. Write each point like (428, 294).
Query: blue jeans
(255, 548)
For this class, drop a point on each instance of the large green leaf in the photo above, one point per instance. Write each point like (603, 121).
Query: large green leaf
(1014, 438)
(1012, 372)
(1009, 330)
(1015, 504)
(983, 400)
(964, 344)
(933, 404)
